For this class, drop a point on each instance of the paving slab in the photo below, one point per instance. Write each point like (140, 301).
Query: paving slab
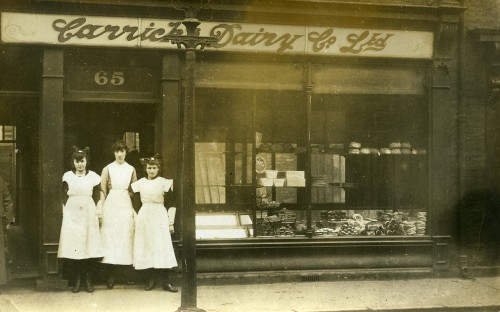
(432, 294)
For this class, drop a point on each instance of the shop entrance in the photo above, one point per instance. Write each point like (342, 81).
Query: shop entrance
(99, 125)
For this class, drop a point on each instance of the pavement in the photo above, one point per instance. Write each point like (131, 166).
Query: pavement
(423, 294)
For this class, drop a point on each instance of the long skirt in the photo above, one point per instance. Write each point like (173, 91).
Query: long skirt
(80, 238)
(153, 244)
(117, 229)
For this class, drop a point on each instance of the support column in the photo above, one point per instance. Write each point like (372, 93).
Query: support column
(308, 88)
(167, 127)
(189, 289)
(51, 167)
(445, 150)
(167, 130)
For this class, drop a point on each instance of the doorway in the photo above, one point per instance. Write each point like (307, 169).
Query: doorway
(99, 125)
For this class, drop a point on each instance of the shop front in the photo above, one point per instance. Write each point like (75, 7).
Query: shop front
(325, 146)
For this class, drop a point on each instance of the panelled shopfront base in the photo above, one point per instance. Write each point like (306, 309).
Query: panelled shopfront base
(362, 255)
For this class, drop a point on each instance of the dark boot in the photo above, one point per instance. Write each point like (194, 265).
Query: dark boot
(166, 283)
(77, 275)
(111, 279)
(88, 281)
(76, 285)
(151, 279)
(88, 276)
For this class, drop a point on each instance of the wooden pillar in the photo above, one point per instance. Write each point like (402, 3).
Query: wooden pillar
(308, 189)
(444, 142)
(167, 129)
(51, 167)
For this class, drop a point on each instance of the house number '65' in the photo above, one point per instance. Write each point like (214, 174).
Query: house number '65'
(101, 78)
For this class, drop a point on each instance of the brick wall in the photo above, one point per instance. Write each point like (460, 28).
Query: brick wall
(479, 227)
(483, 14)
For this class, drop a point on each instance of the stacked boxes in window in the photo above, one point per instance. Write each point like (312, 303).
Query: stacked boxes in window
(285, 162)
(287, 216)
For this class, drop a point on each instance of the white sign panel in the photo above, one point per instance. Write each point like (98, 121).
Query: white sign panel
(152, 33)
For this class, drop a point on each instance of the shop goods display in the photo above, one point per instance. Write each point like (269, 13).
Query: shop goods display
(409, 227)
(348, 228)
(281, 223)
(260, 165)
(386, 223)
(334, 215)
(421, 223)
(276, 173)
(277, 181)
(395, 148)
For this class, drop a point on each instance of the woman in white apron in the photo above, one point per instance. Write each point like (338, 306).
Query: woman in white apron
(80, 241)
(153, 249)
(118, 215)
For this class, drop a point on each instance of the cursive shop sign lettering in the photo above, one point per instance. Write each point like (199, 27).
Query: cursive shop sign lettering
(148, 33)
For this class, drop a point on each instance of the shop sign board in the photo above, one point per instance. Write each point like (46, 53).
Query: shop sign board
(241, 37)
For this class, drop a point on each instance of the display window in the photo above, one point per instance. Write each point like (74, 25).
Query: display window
(369, 165)
(361, 169)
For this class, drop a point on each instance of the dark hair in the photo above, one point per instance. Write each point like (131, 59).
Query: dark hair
(152, 161)
(119, 146)
(79, 154)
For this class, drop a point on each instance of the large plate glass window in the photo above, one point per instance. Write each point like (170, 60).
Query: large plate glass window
(369, 151)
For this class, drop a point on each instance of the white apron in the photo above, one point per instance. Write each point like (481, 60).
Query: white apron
(80, 238)
(118, 217)
(153, 244)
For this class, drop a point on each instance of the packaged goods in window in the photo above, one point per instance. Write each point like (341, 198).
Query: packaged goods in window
(354, 147)
(421, 223)
(300, 227)
(348, 228)
(394, 226)
(285, 230)
(279, 182)
(409, 227)
(273, 174)
(326, 231)
(374, 151)
(261, 192)
(265, 182)
(295, 182)
(287, 216)
(260, 164)
(374, 228)
(295, 175)
(385, 151)
(267, 226)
